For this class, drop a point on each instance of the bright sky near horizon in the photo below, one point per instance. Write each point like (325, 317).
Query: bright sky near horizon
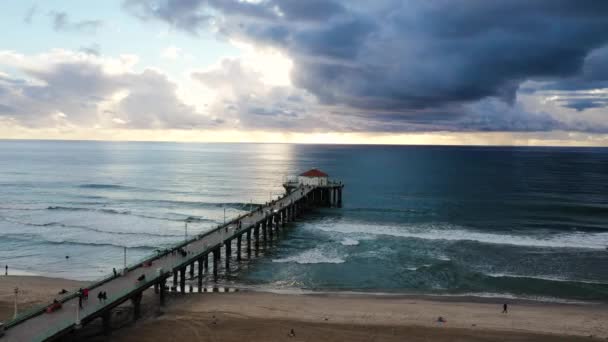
(316, 71)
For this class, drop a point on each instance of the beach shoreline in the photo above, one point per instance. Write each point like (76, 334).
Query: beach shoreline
(341, 312)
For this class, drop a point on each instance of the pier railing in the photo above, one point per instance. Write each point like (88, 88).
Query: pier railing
(126, 293)
(40, 309)
(97, 308)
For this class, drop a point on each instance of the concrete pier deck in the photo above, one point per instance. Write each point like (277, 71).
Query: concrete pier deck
(255, 227)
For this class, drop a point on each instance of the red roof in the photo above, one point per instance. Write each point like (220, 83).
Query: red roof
(314, 173)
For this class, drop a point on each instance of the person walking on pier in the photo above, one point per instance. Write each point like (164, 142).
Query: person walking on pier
(100, 296)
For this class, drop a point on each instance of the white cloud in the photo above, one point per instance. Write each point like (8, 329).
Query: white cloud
(81, 90)
(171, 52)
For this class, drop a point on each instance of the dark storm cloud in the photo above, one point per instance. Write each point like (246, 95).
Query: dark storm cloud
(413, 53)
(409, 58)
(62, 22)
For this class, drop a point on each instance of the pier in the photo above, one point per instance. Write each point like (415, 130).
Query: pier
(199, 257)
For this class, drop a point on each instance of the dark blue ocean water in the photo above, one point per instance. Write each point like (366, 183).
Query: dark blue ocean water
(525, 222)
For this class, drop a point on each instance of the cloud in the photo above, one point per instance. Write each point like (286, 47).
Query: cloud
(581, 91)
(412, 61)
(29, 14)
(62, 22)
(171, 52)
(254, 104)
(93, 49)
(82, 90)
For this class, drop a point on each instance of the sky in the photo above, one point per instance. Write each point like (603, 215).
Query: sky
(461, 72)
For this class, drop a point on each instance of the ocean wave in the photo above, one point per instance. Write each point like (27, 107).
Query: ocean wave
(493, 295)
(45, 241)
(103, 186)
(128, 212)
(448, 232)
(546, 278)
(386, 210)
(86, 228)
(349, 242)
(313, 256)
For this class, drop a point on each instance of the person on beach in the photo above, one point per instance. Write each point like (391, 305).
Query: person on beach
(6, 270)
(100, 296)
(115, 273)
(504, 308)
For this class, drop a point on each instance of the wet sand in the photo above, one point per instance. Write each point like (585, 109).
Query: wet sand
(258, 316)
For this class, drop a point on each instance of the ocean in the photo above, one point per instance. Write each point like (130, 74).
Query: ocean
(525, 222)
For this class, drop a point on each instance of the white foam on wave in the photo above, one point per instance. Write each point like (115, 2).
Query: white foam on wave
(312, 256)
(349, 242)
(449, 232)
(549, 278)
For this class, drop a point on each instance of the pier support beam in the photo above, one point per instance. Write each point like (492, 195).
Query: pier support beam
(191, 270)
(340, 197)
(136, 301)
(238, 247)
(216, 261)
(161, 298)
(200, 273)
(182, 279)
(264, 232)
(256, 235)
(270, 227)
(175, 280)
(249, 243)
(283, 217)
(106, 322)
(206, 264)
(228, 245)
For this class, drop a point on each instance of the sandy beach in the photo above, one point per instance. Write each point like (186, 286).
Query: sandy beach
(270, 317)
(33, 290)
(260, 316)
